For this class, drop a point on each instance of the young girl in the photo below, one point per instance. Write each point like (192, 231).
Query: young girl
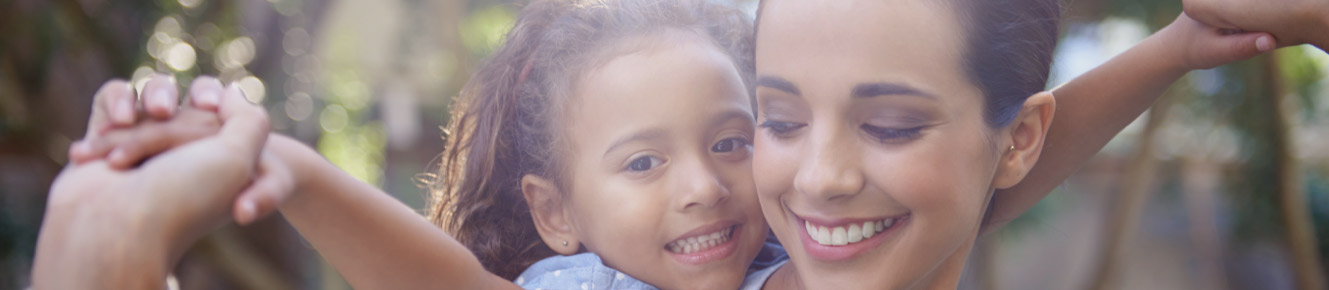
(609, 141)
(574, 206)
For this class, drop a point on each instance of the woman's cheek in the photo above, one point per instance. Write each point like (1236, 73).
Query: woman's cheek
(773, 167)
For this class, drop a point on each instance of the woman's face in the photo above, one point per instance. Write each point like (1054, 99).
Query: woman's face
(661, 185)
(873, 162)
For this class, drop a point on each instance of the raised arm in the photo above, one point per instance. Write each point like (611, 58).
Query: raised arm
(1093, 107)
(375, 241)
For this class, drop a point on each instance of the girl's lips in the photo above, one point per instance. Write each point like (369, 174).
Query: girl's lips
(706, 244)
(844, 239)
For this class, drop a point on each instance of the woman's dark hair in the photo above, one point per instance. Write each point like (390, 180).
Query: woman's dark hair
(1008, 50)
(506, 122)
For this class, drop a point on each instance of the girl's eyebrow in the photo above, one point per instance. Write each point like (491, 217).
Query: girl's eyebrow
(778, 83)
(648, 134)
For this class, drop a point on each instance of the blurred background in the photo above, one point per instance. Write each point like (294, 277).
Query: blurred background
(1224, 184)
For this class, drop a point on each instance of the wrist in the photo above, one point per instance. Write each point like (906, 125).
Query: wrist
(1166, 51)
(1320, 37)
(297, 159)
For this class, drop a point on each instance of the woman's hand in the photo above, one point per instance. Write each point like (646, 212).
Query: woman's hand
(1197, 45)
(1293, 22)
(125, 144)
(109, 229)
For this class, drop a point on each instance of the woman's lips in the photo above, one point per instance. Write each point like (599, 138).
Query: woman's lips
(705, 245)
(834, 241)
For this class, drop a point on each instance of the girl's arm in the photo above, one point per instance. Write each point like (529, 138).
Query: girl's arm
(373, 240)
(1093, 107)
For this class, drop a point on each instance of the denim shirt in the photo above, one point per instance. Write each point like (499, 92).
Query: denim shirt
(586, 271)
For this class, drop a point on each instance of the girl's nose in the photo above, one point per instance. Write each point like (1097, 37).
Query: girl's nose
(703, 187)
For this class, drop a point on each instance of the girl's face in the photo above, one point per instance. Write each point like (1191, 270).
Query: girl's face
(661, 176)
(873, 162)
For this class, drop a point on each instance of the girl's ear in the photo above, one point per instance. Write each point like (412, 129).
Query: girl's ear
(547, 210)
(1024, 140)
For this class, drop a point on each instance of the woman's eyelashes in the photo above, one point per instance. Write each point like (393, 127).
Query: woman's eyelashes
(779, 128)
(891, 135)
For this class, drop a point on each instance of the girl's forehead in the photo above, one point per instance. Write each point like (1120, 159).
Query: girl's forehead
(665, 86)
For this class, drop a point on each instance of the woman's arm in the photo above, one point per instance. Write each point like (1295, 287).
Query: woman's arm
(375, 241)
(1093, 107)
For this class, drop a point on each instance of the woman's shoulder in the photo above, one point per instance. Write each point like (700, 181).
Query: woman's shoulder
(580, 271)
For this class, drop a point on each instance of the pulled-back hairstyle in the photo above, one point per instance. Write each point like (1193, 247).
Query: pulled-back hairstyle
(506, 122)
(1009, 51)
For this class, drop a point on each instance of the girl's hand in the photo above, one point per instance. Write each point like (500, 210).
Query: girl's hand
(1195, 45)
(124, 146)
(115, 106)
(123, 229)
(1294, 22)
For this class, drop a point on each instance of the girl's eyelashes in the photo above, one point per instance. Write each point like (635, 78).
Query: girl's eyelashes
(888, 135)
(730, 145)
(644, 163)
(780, 128)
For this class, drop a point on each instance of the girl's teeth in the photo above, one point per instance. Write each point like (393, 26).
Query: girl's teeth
(699, 243)
(841, 235)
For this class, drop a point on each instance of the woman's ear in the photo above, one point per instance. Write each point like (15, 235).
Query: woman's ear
(548, 212)
(1024, 140)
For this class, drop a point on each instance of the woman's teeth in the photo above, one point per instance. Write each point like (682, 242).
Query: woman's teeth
(841, 235)
(700, 243)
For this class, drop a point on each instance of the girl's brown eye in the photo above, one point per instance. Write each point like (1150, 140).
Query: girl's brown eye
(729, 145)
(643, 163)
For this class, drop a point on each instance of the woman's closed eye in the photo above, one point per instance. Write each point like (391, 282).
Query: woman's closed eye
(891, 135)
(781, 128)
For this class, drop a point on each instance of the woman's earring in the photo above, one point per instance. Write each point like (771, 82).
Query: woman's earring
(1012, 149)
(565, 243)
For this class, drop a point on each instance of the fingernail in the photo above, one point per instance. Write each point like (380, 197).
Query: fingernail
(124, 112)
(116, 154)
(208, 97)
(235, 92)
(247, 212)
(1264, 43)
(80, 148)
(162, 98)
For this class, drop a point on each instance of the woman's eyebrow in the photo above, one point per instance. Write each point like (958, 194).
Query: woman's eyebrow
(778, 83)
(868, 90)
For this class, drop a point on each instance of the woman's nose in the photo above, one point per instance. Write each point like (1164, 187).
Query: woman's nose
(830, 170)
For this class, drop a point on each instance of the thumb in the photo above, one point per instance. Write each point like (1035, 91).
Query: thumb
(1226, 48)
(269, 190)
(245, 125)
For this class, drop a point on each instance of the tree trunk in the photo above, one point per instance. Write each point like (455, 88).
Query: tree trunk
(1300, 229)
(1139, 180)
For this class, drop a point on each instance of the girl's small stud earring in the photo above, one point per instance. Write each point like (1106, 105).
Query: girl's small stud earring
(1012, 149)
(565, 243)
